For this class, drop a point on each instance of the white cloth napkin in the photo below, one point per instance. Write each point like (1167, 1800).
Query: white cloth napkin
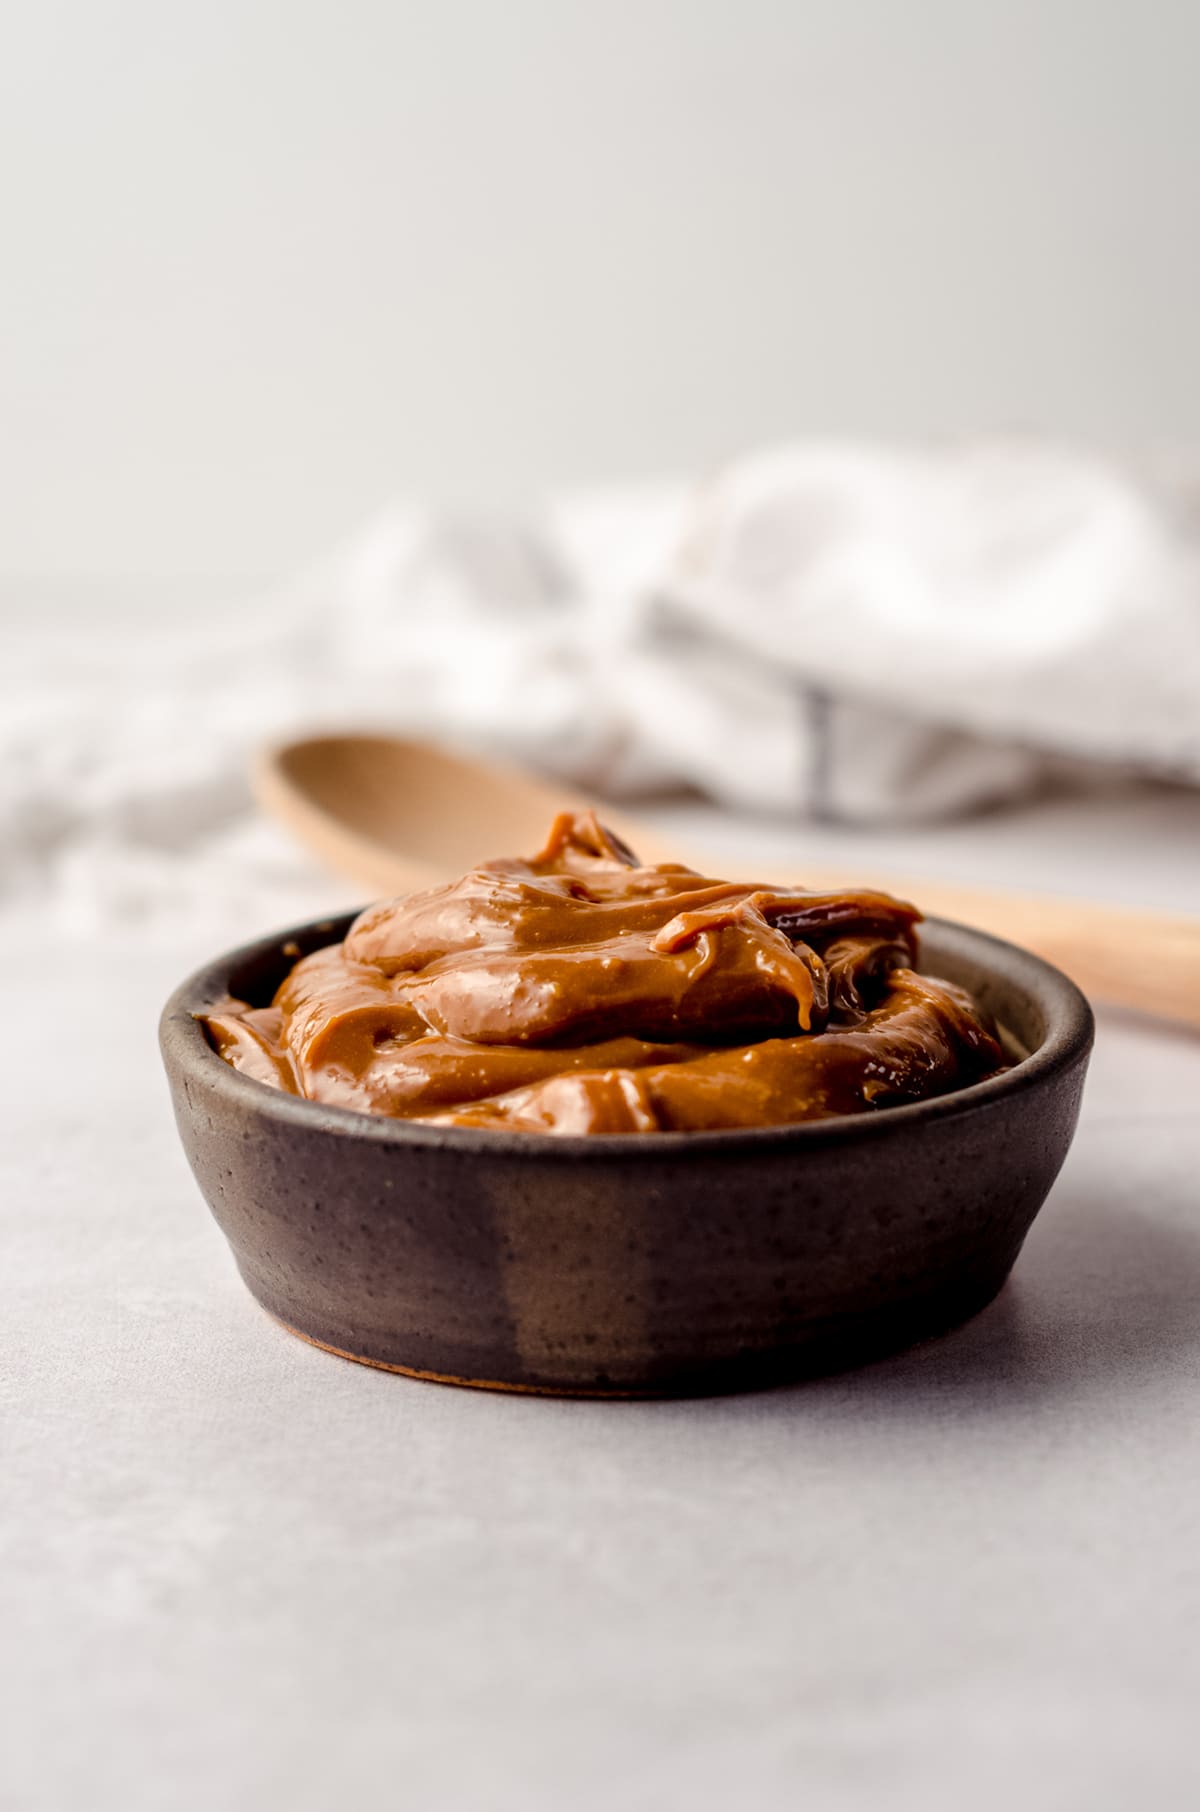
(842, 630)
(846, 630)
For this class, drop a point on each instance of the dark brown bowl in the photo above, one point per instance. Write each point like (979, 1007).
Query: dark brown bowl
(655, 1264)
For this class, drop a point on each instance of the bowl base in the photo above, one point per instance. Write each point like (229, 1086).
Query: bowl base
(413, 1371)
(891, 1333)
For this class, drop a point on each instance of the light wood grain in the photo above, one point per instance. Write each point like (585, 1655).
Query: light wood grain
(394, 815)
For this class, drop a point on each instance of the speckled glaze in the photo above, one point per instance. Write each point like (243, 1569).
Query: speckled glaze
(632, 1265)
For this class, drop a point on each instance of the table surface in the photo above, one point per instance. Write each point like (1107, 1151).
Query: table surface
(241, 1573)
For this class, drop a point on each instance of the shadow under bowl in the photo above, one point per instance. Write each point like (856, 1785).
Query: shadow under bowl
(655, 1264)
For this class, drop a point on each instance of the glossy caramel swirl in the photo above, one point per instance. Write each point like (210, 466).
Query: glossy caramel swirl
(580, 992)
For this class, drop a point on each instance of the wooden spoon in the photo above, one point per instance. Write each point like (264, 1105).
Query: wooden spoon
(396, 815)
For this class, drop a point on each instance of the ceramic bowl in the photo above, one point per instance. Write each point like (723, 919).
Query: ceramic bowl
(661, 1264)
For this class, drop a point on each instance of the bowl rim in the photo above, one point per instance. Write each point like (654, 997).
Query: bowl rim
(1068, 1038)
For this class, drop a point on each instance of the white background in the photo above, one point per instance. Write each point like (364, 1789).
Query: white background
(263, 264)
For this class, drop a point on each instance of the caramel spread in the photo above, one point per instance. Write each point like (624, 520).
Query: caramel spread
(580, 992)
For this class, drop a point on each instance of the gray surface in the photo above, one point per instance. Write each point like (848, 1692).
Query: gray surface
(258, 272)
(239, 1573)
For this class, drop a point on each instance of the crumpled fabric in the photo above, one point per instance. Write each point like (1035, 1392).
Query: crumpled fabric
(853, 632)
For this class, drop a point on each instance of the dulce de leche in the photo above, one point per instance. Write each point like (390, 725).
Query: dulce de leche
(580, 992)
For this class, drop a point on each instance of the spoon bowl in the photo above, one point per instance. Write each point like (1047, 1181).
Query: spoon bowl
(397, 815)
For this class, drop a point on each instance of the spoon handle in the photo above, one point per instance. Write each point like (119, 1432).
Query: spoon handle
(1124, 956)
(1148, 962)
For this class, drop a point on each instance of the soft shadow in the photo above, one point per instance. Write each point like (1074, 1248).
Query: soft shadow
(1100, 1296)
